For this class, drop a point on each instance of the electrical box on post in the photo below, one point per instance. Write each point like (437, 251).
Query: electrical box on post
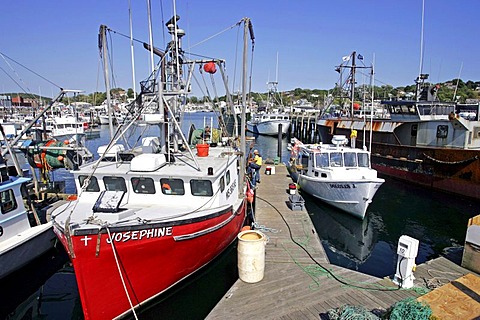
(407, 251)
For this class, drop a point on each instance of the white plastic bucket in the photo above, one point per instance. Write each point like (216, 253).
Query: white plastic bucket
(251, 255)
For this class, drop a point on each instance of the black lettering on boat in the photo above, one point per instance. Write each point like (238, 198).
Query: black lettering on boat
(232, 187)
(340, 186)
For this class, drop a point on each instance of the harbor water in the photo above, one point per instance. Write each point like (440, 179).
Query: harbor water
(47, 288)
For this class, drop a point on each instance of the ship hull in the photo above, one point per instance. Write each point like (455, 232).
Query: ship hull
(143, 261)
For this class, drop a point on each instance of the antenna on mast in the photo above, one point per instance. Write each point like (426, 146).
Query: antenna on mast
(421, 46)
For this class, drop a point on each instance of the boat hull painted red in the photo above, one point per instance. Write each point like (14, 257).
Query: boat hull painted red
(151, 257)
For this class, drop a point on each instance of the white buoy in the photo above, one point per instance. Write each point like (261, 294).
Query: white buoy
(251, 255)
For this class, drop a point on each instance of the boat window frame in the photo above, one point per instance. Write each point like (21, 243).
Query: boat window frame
(355, 159)
(364, 155)
(228, 178)
(442, 131)
(93, 180)
(322, 156)
(177, 186)
(334, 162)
(144, 185)
(10, 205)
(222, 184)
(122, 185)
(202, 192)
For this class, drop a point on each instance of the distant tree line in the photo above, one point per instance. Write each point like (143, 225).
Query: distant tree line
(318, 97)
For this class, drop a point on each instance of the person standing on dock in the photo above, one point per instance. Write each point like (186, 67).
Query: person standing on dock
(254, 165)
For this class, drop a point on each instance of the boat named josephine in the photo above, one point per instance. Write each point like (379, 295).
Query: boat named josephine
(336, 174)
(147, 216)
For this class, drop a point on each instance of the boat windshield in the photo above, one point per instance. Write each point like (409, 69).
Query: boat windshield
(363, 160)
(336, 159)
(350, 159)
(321, 160)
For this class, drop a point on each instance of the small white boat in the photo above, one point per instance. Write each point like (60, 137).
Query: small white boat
(67, 127)
(336, 174)
(21, 240)
(269, 123)
(274, 119)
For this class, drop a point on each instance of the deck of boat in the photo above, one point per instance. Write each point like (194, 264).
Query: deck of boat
(297, 286)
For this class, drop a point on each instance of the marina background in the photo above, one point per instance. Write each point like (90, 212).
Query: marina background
(436, 219)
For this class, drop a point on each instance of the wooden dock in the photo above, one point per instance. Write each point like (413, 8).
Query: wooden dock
(299, 282)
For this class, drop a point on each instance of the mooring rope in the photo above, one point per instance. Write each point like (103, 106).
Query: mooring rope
(120, 273)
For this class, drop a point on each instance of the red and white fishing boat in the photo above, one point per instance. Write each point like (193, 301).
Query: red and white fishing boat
(148, 216)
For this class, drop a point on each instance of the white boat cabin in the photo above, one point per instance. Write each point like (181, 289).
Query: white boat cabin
(13, 215)
(326, 160)
(128, 182)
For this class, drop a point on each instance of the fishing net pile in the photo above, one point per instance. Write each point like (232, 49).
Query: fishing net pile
(408, 309)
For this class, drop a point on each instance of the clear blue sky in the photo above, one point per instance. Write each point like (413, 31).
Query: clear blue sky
(58, 39)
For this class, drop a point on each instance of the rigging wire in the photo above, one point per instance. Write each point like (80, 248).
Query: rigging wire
(18, 84)
(235, 59)
(217, 34)
(110, 60)
(251, 75)
(132, 55)
(25, 67)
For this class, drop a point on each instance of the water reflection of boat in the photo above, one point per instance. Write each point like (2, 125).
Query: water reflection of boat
(345, 235)
(57, 298)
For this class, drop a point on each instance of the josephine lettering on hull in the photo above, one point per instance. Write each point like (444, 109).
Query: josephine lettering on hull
(141, 234)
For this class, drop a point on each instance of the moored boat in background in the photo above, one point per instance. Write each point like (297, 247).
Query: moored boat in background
(274, 118)
(336, 174)
(23, 238)
(423, 141)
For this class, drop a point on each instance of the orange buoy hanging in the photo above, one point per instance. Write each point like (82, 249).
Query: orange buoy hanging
(210, 67)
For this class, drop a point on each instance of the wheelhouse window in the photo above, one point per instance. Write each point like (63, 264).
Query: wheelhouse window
(8, 202)
(222, 184)
(227, 176)
(363, 160)
(442, 131)
(414, 130)
(321, 160)
(143, 185)
(350, 159)
(92, 183)
(172, 186)
(201, 187)
(114, 184)
(336, 159)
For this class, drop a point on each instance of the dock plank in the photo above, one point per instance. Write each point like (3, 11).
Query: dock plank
(459, 299)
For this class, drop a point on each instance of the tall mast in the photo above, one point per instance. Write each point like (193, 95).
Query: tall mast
(103, 36)
(421, 77)
(131, 50)
(353, 83)
(150, 33)
(248, 28)
(421, 40)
